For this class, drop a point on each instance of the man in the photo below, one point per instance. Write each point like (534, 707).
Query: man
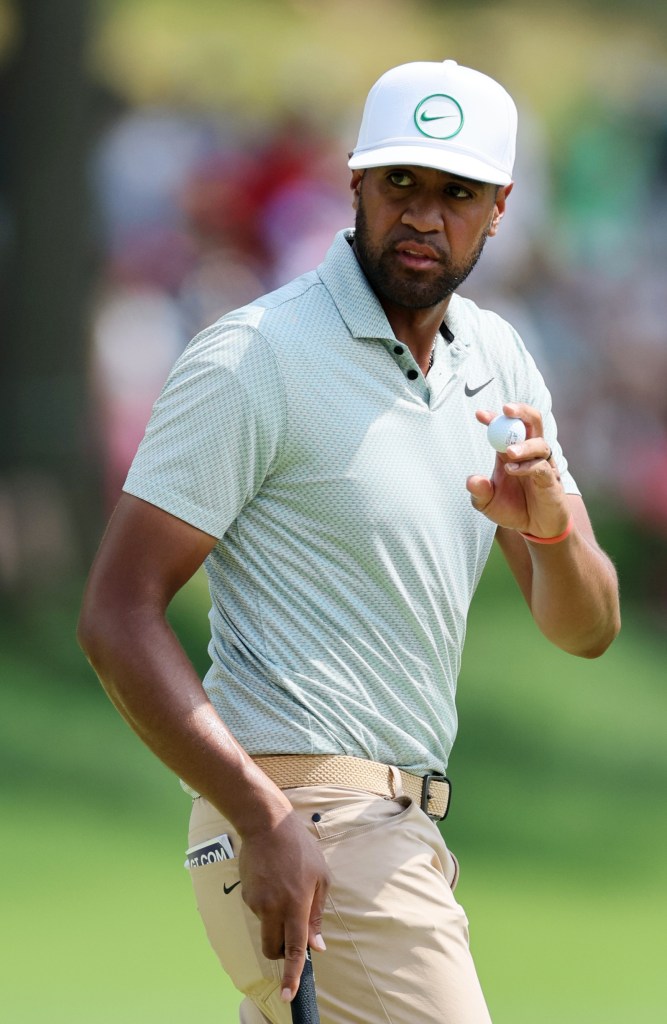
(322, 451)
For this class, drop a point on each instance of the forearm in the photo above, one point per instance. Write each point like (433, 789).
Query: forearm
(574, 595)
(569, 583)
(145, 558)
(151, 681)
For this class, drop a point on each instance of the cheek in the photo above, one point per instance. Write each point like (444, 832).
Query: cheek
(466, 229)
(462, 231)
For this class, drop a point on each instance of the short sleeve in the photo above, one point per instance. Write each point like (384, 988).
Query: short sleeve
(540, 398)
(215, 430)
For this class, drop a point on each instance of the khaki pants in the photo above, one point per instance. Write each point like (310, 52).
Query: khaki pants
(397, 940)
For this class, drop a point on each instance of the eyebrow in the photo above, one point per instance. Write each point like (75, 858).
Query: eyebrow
(448, 174)
(462, 178)
(467, 181)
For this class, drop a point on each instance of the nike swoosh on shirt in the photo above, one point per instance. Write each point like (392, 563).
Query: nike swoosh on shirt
(473, 391)
(228, 888)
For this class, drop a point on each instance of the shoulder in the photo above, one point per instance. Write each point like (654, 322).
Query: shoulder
(270, 323)
(226, 371)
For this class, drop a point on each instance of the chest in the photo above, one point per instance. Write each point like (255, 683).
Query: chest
(375, 452)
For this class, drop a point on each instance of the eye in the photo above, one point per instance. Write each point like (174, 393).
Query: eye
(401, 179)
(458, 191)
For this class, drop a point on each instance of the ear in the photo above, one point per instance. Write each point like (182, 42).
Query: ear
(355, 185)
(499, 207)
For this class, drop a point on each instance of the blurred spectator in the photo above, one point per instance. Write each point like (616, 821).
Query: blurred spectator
(194, 225)
(137, 335)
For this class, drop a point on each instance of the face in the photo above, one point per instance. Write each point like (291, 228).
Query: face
(419, 232)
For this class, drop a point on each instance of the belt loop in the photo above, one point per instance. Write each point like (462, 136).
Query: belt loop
(396, 780)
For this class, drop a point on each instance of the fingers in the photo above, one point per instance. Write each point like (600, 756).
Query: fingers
(534, 449)
(286, 934)
(315, 940)
(516, 410)
(485, 416)
(532, 457)
(524, 488)
(296, 941)
(295, 957)
(286, 940)
(530, 416)
(294, 953)
(539, 469)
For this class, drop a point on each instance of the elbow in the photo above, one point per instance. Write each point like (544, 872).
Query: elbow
(594, 645)
(90, 633)
(100, 629)
(104, 641)
(595, 650)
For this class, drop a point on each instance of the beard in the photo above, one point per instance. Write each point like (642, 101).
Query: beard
(400, 286)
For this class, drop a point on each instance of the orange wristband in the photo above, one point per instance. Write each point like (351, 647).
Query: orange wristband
(551, 540)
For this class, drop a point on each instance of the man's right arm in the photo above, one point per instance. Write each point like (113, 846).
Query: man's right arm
(146, 556)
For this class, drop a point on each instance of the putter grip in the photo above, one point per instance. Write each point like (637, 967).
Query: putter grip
(304, 1004)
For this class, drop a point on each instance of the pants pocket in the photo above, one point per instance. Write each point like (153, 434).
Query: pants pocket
(232, 929)
(335, 814)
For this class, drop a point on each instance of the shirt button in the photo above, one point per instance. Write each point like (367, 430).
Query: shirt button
(412, 375)
(399, 350)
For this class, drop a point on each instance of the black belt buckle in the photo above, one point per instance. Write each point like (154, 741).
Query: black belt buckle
(426, 785)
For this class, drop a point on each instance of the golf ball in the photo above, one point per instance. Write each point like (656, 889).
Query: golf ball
(504, 431)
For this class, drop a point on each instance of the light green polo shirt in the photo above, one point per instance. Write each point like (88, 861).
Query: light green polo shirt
(301, 433)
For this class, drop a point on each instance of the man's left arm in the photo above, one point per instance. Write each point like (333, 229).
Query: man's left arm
(570, 586)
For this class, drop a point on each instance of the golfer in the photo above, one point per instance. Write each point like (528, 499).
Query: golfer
(323, 452)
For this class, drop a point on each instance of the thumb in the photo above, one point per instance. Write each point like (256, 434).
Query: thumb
(480, 490)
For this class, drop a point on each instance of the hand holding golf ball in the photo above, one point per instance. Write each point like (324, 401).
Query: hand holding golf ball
(524, 491)
(504, 431)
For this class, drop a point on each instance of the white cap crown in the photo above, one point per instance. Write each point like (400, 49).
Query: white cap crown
(444, 116)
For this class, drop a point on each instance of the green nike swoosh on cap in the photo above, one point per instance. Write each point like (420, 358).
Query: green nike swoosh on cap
(438, 117)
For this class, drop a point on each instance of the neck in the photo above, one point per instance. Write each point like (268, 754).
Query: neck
(417, 328)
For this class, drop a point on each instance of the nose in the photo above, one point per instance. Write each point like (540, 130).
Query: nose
(424, 214)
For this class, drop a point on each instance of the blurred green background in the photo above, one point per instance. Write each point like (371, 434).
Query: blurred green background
(161, 162)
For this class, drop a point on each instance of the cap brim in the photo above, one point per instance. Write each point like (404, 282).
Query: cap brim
(430, 156)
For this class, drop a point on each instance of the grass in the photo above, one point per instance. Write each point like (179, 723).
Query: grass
(558, 817)
(565, 951)
(99, 921)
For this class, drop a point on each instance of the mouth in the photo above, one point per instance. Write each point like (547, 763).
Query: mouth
(417, 255)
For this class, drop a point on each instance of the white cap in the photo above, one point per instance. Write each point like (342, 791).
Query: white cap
(444, 116)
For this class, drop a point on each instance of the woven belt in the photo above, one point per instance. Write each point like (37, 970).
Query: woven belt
(431, 792)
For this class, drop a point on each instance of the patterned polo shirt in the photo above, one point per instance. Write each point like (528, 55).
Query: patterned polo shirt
(300, 432)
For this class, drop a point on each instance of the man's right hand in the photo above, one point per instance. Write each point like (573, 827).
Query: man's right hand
(285, 882)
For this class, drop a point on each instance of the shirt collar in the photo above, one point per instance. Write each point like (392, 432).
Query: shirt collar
(347, 284)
